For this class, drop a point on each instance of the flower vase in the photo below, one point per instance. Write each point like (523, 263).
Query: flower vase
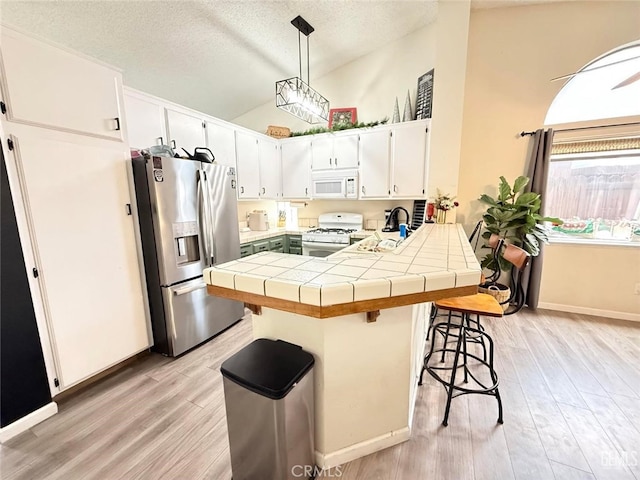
(442, 216)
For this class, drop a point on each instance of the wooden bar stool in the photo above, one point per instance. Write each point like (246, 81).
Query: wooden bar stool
(465, 332)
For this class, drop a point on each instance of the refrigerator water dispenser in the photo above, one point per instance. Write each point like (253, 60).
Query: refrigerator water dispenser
(185, 237)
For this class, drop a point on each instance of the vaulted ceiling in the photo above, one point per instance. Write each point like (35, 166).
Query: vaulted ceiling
(220, 57)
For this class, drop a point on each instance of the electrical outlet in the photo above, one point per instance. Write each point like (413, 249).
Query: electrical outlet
(637, 290)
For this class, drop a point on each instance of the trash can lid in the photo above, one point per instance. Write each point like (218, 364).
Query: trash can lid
(268, 367)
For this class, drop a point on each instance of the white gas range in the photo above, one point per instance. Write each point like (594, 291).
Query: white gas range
(332, 235)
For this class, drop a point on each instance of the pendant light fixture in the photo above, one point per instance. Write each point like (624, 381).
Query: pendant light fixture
(295, 96)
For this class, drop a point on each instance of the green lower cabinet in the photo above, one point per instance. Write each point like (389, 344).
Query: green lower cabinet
(277, 244)
(261, 246)
(295, 250)
(295, 244)
(246, 249)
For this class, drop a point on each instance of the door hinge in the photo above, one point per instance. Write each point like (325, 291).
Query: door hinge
(391, 134)
(10, 144)
(204, 125)
(426, 130)
(127, 207)
(3, 107)
(56, 382)
(36, 274)
(389, 192)
(423, 191)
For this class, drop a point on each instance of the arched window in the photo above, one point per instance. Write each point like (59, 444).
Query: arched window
(593, 183)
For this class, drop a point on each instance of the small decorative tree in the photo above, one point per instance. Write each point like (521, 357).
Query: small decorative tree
(515, 216)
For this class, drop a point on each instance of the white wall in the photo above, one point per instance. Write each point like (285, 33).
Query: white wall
(513, 54)
(370, 83)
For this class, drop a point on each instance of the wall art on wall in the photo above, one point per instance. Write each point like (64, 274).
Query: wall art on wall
(341, 116)
(424, 100)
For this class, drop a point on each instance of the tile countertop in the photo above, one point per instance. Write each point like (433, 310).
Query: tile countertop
(435, 257)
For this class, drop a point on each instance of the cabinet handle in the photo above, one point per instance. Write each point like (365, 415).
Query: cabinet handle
(336, 160)
(263, 191)
(306, 190)
(395, 188)
(363, 189)
(330, 161)
(117, 119)
(241, 189)
(161, 140)
(173, 144)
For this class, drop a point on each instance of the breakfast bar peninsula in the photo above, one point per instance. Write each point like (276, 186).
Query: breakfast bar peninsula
(363, 315)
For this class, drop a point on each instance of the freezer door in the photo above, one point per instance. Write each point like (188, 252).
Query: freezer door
(193, 316)
(173, 188)
(223, 204)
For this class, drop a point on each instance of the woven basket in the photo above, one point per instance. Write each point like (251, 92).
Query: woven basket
(498, 291)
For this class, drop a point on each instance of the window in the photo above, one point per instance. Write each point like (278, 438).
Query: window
(593, 182)
(597, 195)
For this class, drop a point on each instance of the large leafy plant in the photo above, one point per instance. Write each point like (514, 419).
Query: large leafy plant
(515, 216)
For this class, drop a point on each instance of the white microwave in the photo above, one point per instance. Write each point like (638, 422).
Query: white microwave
(334, 184)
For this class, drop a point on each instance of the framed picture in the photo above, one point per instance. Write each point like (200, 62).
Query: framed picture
(424, 99)
(341, 116)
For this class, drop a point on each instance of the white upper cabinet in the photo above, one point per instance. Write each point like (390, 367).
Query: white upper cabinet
(145, 121)
(221, 141)
(409, 147)
(296, 168)
(270, 170)
(50, 87)
(375, 163)
(248, 163)
(394, 160)
(185, 131)
(333, 150)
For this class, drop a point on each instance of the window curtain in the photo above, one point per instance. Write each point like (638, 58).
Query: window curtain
(538, 167)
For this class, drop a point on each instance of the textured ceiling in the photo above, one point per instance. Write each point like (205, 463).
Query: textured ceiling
(222, 57)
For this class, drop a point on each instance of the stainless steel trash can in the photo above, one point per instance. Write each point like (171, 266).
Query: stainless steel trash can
(268, 393)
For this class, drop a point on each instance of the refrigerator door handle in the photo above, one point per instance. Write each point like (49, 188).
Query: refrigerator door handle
(192, 288)
(212, 241)
(203, 217)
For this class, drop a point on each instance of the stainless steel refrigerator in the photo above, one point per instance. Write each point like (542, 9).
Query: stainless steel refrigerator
(188, 215)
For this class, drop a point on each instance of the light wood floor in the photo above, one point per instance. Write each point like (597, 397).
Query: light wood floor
(570, 386)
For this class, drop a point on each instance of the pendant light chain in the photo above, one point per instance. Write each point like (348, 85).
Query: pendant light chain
(300, 54)
(308, 77)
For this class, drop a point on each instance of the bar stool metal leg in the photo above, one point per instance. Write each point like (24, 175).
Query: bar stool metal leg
(452, 382)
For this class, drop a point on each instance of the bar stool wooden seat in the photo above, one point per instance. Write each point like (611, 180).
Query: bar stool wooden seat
(465, 332)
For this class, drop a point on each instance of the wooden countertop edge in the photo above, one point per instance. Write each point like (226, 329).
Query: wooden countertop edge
(330, 311)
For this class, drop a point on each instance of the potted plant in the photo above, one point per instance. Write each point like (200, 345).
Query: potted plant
(515, 216)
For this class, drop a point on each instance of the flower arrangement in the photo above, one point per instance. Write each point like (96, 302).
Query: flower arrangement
(445, 201)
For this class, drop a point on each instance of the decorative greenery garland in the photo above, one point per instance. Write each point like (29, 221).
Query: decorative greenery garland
(340, 126)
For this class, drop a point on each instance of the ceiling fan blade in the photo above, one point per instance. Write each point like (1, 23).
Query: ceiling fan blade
(594, 68)
(632, 79)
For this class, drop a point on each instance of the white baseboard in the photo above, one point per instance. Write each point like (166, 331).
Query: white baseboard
(634, 317)
(25, 423)
(361, 449)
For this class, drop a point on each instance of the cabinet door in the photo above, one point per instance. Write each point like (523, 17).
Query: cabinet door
(247, 158)
(322, 152)
(270, 171)
(374, 164)
(345, 151)
(408, 161)
(186, 131)
(296, 168)
(50, 87)
(86, 250)
(145, 122)
(221, 140)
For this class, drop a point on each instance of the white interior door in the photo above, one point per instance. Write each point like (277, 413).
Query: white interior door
(408, 161)
(85, 247)
(186, 131)
(221, 140)
(374, 164)
(248, 158)
(145, 122)
(296, 168)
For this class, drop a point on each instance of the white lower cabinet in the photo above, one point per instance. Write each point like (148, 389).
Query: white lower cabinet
(85, 246)
(295, 156)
